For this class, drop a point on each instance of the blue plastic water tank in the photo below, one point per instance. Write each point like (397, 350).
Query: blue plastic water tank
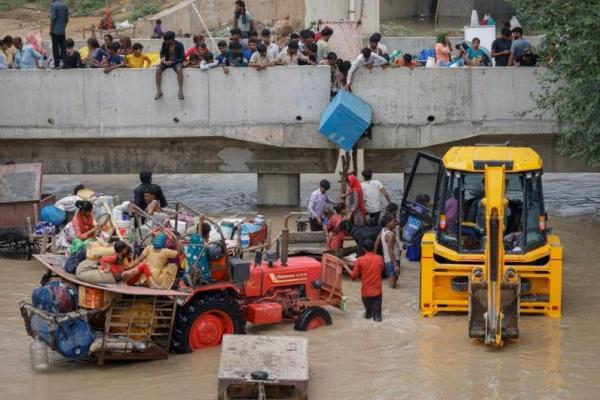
(345, 120)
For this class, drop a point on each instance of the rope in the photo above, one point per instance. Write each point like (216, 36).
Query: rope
(193, 3)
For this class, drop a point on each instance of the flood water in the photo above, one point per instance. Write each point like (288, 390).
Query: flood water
(405, 357)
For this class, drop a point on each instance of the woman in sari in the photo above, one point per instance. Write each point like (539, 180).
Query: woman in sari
(356, 206)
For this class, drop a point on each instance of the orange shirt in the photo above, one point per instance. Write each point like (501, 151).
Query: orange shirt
(110, 262)
(369, 267)
(82, 224)
(336, 241)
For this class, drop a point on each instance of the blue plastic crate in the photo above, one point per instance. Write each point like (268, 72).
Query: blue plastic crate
(345, 120)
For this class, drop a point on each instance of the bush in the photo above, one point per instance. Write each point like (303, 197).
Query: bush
(143, 8)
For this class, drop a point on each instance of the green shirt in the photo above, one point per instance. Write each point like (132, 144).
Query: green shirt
(322, 50)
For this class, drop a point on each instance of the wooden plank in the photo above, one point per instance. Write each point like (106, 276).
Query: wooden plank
(55, 264)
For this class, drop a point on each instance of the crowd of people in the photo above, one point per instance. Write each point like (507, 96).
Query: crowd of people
(248, 47)
(360, 213)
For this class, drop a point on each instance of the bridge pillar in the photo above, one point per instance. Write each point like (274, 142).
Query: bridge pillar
(278, 190)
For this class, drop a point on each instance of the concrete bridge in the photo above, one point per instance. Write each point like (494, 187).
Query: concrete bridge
(264, 122)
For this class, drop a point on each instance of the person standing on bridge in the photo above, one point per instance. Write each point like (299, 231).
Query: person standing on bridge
(59, 18)
(243, 20)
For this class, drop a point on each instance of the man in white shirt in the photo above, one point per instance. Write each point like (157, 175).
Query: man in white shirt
(366, 58)
(372, 192)
(291, 55)
(376, 46)
(316, 206)
(272, 48)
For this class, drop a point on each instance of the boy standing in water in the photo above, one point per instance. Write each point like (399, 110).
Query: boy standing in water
(370, 267)
(391, 248)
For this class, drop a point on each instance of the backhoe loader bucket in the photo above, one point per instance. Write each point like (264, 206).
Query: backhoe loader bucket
(477, 309)
(509, 308)
(511, 292)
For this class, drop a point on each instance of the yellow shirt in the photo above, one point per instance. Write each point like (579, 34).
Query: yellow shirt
(133, 61)
(158, 259)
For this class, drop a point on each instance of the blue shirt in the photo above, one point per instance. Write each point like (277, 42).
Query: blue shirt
(248, 53)
(519, 46)
(115, 60)
(59, 17)
(26, 58)
(475, 53)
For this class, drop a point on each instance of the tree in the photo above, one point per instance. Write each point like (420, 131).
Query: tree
(571, 86)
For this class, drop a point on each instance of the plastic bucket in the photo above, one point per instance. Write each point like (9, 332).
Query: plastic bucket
(122, 226)
(227, 228)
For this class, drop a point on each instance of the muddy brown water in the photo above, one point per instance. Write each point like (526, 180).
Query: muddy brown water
(405, 357)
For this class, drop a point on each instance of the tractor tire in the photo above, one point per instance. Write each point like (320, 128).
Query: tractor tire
(203, 321)
(311, 318)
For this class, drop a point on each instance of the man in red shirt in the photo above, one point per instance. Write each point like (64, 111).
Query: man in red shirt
(370, 267)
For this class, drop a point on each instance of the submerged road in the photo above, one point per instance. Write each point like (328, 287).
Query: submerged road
(405, 357)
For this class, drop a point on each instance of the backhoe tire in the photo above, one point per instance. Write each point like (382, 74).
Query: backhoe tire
(311, 318)
(203, 321)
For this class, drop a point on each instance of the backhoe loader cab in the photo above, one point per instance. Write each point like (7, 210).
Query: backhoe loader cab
(486, 248)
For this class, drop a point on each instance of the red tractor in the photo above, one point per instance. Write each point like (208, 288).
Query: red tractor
(266, 291)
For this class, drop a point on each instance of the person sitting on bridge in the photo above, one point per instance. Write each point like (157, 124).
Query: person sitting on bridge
(108, 41)
(368, 59)
(26, 57)
(369, 268)
(137, 59)
(172, 55)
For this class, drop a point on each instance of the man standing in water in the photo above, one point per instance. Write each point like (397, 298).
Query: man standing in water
(59, 17)
(316, 205)
(372, 191)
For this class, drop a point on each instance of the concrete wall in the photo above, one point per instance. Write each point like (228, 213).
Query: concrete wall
(333, 10)
(394, 9)
(85, 121)
(244, 104)
(429, 106)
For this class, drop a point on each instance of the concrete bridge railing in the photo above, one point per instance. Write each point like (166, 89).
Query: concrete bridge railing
(280, 106)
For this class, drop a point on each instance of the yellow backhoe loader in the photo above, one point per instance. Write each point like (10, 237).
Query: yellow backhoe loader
(485, 245)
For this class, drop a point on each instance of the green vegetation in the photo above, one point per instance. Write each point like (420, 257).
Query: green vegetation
(6, 5)
(571, 85)
(76, 7)
(144, 7)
